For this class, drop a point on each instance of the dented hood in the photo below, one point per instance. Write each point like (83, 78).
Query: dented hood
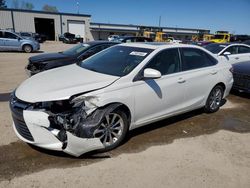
(61, 83)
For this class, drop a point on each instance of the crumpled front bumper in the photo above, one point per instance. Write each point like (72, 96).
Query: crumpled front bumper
(44, 136)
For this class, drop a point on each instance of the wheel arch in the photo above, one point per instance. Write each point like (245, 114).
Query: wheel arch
(27, 44)
(222, 85)
(122, 107)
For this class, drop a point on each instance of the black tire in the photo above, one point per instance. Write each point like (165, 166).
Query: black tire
(214, 99)
(27, 48)
(123, 133)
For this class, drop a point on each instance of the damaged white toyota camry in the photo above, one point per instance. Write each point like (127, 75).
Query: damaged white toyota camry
(92, 105)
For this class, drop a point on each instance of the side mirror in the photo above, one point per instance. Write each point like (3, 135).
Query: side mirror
(151, 73)
(226, 53)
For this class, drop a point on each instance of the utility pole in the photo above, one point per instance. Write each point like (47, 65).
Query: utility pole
(159, 21)
(77, 5)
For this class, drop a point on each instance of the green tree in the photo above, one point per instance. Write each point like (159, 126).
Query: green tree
(49, 8)
(15, 4)
(2, 4)
(27, 5)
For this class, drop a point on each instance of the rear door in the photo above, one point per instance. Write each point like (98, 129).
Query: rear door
(200, 74)
(12, 41)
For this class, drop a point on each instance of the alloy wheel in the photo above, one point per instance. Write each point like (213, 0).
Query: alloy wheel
(110, 129)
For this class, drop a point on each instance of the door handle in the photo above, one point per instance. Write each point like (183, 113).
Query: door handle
(237, 58)
(181, 80)
(214, 72)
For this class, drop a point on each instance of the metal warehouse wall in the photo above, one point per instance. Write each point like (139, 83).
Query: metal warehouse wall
(65, 18)
(5, 20)
(24, 21)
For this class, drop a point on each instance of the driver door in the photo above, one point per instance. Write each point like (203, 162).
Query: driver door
(233, 57)
(156, 98)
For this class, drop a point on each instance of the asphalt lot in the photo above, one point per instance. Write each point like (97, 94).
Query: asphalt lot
(191, 150)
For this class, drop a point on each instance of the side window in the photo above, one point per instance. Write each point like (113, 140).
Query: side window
(105, 46)
(130, 40)
(140, 39)
(10, 35)
(94, 50)
(167, 62)
(243, 50)
(1, 34)
(232, 50)
(194, 59)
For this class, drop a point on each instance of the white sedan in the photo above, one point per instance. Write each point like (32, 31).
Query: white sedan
(93, 104)
(232, 53)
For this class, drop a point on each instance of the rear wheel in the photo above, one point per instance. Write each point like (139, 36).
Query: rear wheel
(214, 99)
(27, 48)
(112, 129)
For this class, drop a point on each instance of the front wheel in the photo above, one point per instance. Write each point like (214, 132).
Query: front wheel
(112, 129)
(214, 99)
(27, 48)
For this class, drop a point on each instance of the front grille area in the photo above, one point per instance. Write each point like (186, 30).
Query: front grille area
(241, 81)
(17, 108)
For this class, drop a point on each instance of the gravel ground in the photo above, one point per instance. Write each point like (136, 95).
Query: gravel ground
(191, 150)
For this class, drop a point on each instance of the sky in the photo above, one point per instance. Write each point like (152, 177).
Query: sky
(227, 15)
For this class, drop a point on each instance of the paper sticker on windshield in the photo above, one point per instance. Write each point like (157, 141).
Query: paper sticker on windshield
(138, 53)
(223, 46)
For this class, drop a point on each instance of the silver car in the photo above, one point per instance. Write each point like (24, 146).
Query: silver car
(10, 41)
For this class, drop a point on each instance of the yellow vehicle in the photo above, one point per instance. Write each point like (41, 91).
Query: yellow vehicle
(161, 37)
(221, 37)
(149, 34)
(208, 37)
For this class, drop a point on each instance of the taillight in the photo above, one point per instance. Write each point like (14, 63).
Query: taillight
(231, 69)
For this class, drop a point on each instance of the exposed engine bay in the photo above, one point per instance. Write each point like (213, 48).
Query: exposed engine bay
(71, 122)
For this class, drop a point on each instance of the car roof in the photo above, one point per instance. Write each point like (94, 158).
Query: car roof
(155, 45)
(92, 43)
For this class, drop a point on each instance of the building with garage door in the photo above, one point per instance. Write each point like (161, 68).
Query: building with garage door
(54, 24)
(46, 23)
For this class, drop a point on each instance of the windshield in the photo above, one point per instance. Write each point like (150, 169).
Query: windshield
(218, 37)
(76, 49)
(117, 60)
(215, 48)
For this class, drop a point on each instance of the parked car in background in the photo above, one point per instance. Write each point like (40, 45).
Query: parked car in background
(241, 74)
(75, 54)
(39, 38)
(247, 42)
(10, 41)
(233, 53)
(113, 37)
(92, 105)
(68, 38)
(173, 40)
(127, 39)
(239, 38)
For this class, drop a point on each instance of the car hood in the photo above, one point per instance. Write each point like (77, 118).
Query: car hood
(243, 68)
(61, 83)
(48, 57)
